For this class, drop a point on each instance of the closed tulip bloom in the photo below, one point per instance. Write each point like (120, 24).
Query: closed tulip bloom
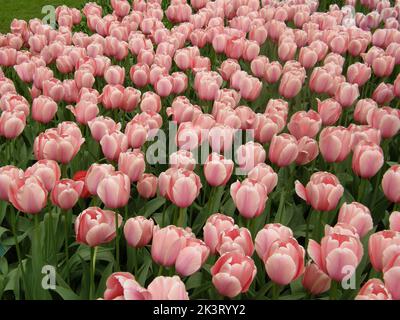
(241, 192)
(265, 175)
(315, 280)
(168, 288)
(136, 134)
(218, 170)
(308, 57)
(112, 96)
(249, 155)
(114, 190)
(123, 286)
(305, 123)
(386, 119)
(228, 68)
(378, 243)
(101, 126)
(373, 289)
(396, 86)
(95, 174)
(322, 192)
(338, 255)
(13, 102)
(391, 184)
(66, 193)
(114, 75)
(132, 164)
(12, 124)
(287, 50)
(308, 150)
(113, 145)
(140, 74)
(43, 109)
(95, 226)
(321, 80)
(47, 171)
(346, 94)
(233, 274)
(182, 159)
(9, 175)
(192, 257)
(329, 110)
(28, 195)
(84, 79)
(214, 226)
(383, 65)
(383, 93)
(151, 102)
(180, 186)
(147, 186)
(25, 71)
(266, 126)
(257, 66)
(358, 73)
(357, 215)
(290, 85)
(284, 261)
(54, 89)
(394, 221)
(138, 231)
(273, 72)
(167, 243)
(367, 160)
(84, 111)
(335, 143)
(392, 281)
(283, 150)
(268, 235)
(362, 109)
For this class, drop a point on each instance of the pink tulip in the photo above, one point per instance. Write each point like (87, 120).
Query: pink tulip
(357, 215)
(335, 143)
(249, 197)
(322, 192)
(84, 111)
(396, 86)
(167, 243)
(383, 66)
(123, 286)
(54, 89)
(392, 281)
(228, 68)
(273, 72)
(358, 73)
(25, 71)
(28, 195)
(394, 221)
(218, 170)
(290, 85)
(373, 289)
(367, 160)
(114, 75)
(304, 123)
(95, 226)
(9, 175)
(308, 150)
(283, 150)
(265, 175)
(8, 57)
(315, 280)
(266, 126)
(192, 257)
(329, 110)
(147, 186)
(268, 235)
(221, 137)
(383, 93)
(101, 126)
(213, 227)
(95, 174)
(113, 145)
(140, 74)
(249, 155)
(132, 164)
(151, 102)
(378, 245)
(386, 119)
(182, 159)
(390, 184)
(13, 102)
(233, 273)
(66, 193)
(235, 239)
(284, 261)
(287, 50)
(321, 80)
(308, 57)
(168, 288)
(47, 171)
(138, 231)
(362, 109)
(346, 94)
(43, 109)
(180, 186)
(338, 255)
(12, 124)
(114, 190)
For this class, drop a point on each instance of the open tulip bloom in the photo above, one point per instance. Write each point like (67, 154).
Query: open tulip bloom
(200, 149)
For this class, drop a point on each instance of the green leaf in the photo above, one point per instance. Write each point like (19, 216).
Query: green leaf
(152, 206)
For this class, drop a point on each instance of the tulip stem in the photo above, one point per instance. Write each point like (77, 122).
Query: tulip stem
(160, 271)
(182, 216)
(275, 291)
(361, 190)
(333, 290)
(116, 243)
(93, 252)
(66, 245)
(14, 220)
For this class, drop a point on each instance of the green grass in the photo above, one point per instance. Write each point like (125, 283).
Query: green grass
(28, 9)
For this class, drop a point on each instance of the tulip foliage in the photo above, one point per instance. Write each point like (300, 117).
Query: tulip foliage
(198, 149)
